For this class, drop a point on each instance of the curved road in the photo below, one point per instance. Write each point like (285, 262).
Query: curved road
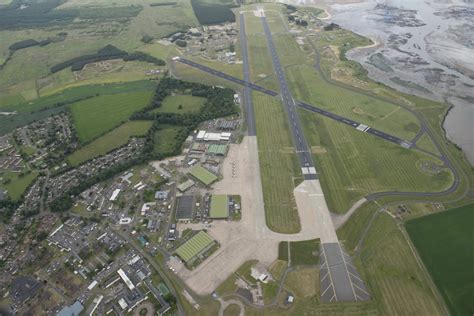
(424, 128)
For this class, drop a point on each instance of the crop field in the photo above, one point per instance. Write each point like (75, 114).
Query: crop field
(353, 164)
(112, 140)
(17, 184)
(188, 104)
(278, 165)
(445, 243)
(95, 116)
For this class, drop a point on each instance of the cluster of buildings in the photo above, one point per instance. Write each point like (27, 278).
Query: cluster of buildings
(56, 186)
(213, 41)
(48, 138)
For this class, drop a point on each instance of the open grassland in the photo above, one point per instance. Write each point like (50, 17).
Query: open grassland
(445, 242)
(110, 141)
(392, 273)
(26, 112)
(353, 164)
(301, 252)
(352, 231)
(426, 143)
(278, 165)
(165, 139)
(16, 184)
(188, 73)
(116, 71)
(95, 116)
(308, 86)
(122, 24)
(260, 62)
(181, 104)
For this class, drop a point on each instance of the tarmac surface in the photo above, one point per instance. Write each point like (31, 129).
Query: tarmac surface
(301, 104)
(299, 141)
(247, 93)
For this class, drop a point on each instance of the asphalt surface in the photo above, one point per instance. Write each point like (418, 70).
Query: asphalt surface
(247, 93)
(339, 279)
(301, 104)
(301, 146)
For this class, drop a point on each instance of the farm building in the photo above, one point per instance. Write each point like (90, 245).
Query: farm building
(217, 150)
(195, 247)
(184, 207)
(219, 207)
(203, 175)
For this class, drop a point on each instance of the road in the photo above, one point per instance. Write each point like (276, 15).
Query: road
(248, 102)
(339, 279)
(299, 141)
(301, 104)
(447, 162)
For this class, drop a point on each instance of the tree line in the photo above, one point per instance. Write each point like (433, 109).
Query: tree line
(105, 53)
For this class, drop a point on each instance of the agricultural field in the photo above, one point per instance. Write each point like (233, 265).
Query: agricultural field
(181, 104)
(96, 116)
(278, 165)
(110, 141)
(445, 244)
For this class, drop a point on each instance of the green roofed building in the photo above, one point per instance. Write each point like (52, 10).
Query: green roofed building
(203, 175)
(219, 207)
(194, 247)
(217, 150)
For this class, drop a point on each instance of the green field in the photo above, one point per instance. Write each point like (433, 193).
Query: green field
(353, 164)
(279, 166)
(17, 184)
(445, 242)
(203, 175)
(46, 106)
(301, 252)
(107, 23)
(96, 116)
(392, 273)
(194, 246)
(110, 141)
(164, 139)
(219, 206)
(188, 104)
(352, 231)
